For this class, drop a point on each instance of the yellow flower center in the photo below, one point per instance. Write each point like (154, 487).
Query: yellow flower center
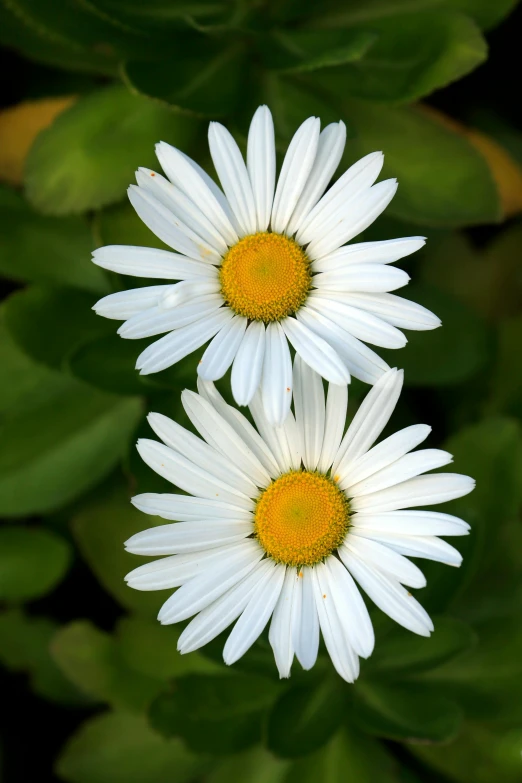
(301, 518)
(265, 277)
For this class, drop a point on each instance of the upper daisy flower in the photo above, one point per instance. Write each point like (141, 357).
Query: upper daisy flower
(262, 264)
(281, 521)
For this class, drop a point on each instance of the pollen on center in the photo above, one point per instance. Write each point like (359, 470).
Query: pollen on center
(301, 518)
(265, 277)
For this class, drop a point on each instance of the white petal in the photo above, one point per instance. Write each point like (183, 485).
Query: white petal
(223, 437)
(203, 590)
(276, 381)
(357, 179)
(364, 326)
(200, 453)
(329, 153)
(261, 163)
(248, 364)
(361, 361)
(383, 252)
(275, 437)
(125, 304)
(185, 508)
(420, 491)
(388, 595)
(158, 321)
(221, 352)
(316, 352)
(420, 523)
(307, 634)
(428, 547)
(351, 608)
(364, 211)
(296, 167)
(182, 537)
(221, 613)
(149, 262)
(233, 176)
(188, 476)
(386, 452)
(395, 310)
(197, 185)
(370, 420)
(402, 469)
(309, 411)
(336, 406)
(374, 553)
(255, 617)
(281, 634)
(186, 291)
(360, 277)
(175, 346)
(343, 657)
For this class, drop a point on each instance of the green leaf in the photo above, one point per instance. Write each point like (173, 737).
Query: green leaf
(255, 765)
(24, 647)
(506, 385)
(122, 748)
(414, 55)
(39, 249)
(88, 156)
(100, 530)
(454, 352)
(299, 51)
(109, 363)
(304, 718)
(90, 659)
(406, 712)
(120, 225)
(32, 562)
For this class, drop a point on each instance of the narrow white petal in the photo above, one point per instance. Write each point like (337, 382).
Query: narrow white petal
(416, 523)
(221, 352)
(186, 291)
(375, 553)
(221, 613)
(185, 508)
(404, 468)
(217, 193)
(420, 491)
(353, 182)
(203, 590)
(187, 476)
(255, 617)
(329, 153)
(360, 277)
(149, 262)
(383, 252)
(351, 608)
(365, 326)
(158, 321)
(370, 420)
(276, 381)
(125, 304)
(395, 310)
(175, 346)
(182, 537)
(307, 634)
(309, 411)
(336, 407)
(343, 656)
(233, 176)
(223, 437)
(386, 452)
(189, 178)
(361, 361)
(296, 167)
(428, 547)
(281, 634)
(390, 596)
(366, 209)
(261, 164)
(275, 437)
(316, 352)
(248, 364)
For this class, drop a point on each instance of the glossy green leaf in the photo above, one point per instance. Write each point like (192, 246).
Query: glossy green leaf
(305, 718)
(32, 562)
(88, 156)
(39, 249)
(300, 51)
(109, 363)
(120, 747)
(255, 765)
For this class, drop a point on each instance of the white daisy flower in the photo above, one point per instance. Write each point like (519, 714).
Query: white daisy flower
(281, 523)
(262, 266)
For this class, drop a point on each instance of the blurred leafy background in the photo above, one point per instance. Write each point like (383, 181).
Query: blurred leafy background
(93, 688)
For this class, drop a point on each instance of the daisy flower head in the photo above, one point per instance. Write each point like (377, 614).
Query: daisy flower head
(262, 264)
(285, 525)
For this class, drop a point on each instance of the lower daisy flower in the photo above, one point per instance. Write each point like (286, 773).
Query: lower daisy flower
(281, 523)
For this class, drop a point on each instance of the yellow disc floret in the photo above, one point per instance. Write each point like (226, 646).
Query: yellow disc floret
(301, 518)
(265, 277)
